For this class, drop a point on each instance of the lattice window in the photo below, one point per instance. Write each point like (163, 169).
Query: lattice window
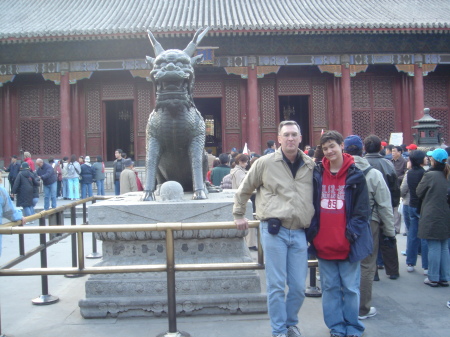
(232, 105)
(319, 103)
(435, 92)
(144, 106)
(52, 144)
(268, 103)
(384, 123)
(93, 109)
(40, 122)
(443, 115)
(208, 89)
(51, 102)
(29, 102)
(294, 86)
(361, 123)
(373, 106)
(30, 139)
(383, 94)
(118, 91)
(360, 93)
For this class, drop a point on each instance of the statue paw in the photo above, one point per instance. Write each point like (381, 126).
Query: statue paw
(148, 196)
(199, 195)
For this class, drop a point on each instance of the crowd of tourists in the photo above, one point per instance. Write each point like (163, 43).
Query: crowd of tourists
(343, 202)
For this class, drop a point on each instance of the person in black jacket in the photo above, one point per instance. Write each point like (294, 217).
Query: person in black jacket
(13, 170)
(87, 174)
(418, 159)
(24, 185)
(434, 222)
(388, 247)
(48, 176)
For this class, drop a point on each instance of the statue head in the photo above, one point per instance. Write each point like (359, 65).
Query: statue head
(173, 71)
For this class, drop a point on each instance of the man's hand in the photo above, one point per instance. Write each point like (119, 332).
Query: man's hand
(241, 224)
(23, 221)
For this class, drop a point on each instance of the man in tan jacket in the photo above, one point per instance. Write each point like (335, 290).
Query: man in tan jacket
(128, 178)
(283, 181)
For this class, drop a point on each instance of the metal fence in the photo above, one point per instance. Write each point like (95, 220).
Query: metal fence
(58, 231)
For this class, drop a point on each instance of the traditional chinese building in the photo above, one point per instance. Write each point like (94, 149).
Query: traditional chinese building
(73, 76)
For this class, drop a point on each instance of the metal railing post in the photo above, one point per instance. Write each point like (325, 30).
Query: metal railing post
(73, 222)
(45, 298)
(313, 290)
(171, 296)
(94, 254)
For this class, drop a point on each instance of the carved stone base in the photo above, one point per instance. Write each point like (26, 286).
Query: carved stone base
(145, 294)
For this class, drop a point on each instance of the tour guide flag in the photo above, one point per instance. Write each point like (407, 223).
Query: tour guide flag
(245, 150)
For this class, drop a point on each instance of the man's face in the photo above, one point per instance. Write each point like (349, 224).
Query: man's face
(332, 150)
(307, 148)
(13, 160)
(388, 151)
(289, 138)
(118, 155)
(39, 163)
(395, 153)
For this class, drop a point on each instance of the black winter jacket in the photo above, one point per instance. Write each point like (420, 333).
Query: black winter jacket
(413, 179)
(24, 186)
(434, 222)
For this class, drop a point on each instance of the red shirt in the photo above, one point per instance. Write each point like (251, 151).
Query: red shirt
(330, 242)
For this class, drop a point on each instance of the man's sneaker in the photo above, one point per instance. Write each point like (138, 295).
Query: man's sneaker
(443, 283)
(448, 304)
(410, 268)
(403, 252)
(430, 283)
(425, 272)
(372, 312)
(293, 331)
(394, 277)
(279, 335)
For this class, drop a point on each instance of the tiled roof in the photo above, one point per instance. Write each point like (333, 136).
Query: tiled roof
(70, 19)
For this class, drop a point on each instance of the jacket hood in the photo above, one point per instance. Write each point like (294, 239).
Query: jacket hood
(348, 161)
(361, 163)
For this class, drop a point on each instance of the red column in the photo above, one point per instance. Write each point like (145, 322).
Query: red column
(346, 100)
(7, 126)
(254, 126)
(418, 92)
(65, 114)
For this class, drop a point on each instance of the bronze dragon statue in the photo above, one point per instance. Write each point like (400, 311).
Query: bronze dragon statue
(175, 128)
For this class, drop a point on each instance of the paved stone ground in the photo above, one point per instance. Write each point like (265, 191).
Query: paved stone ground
(406, 307)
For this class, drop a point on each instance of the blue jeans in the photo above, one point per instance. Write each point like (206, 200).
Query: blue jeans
(406, 216)
(438, 260)
(49, 193)
(86, 190)
(117, 187)
(65, 188)
(286, 260)
(424, 253)
(412, 241)
(74, 188)
(340, 282)
(100, 187)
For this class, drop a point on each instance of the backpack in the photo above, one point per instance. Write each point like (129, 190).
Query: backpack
(227, 182)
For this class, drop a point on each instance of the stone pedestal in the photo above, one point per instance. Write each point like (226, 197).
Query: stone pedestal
(144, 294)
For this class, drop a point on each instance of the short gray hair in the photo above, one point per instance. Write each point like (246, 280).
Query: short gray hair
(283, 123)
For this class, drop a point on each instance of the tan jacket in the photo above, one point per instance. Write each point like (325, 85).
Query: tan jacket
(278, 194)
(128, 181)
(237, 176)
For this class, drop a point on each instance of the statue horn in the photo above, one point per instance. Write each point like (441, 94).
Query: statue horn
(156, 45)
(190, 49)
